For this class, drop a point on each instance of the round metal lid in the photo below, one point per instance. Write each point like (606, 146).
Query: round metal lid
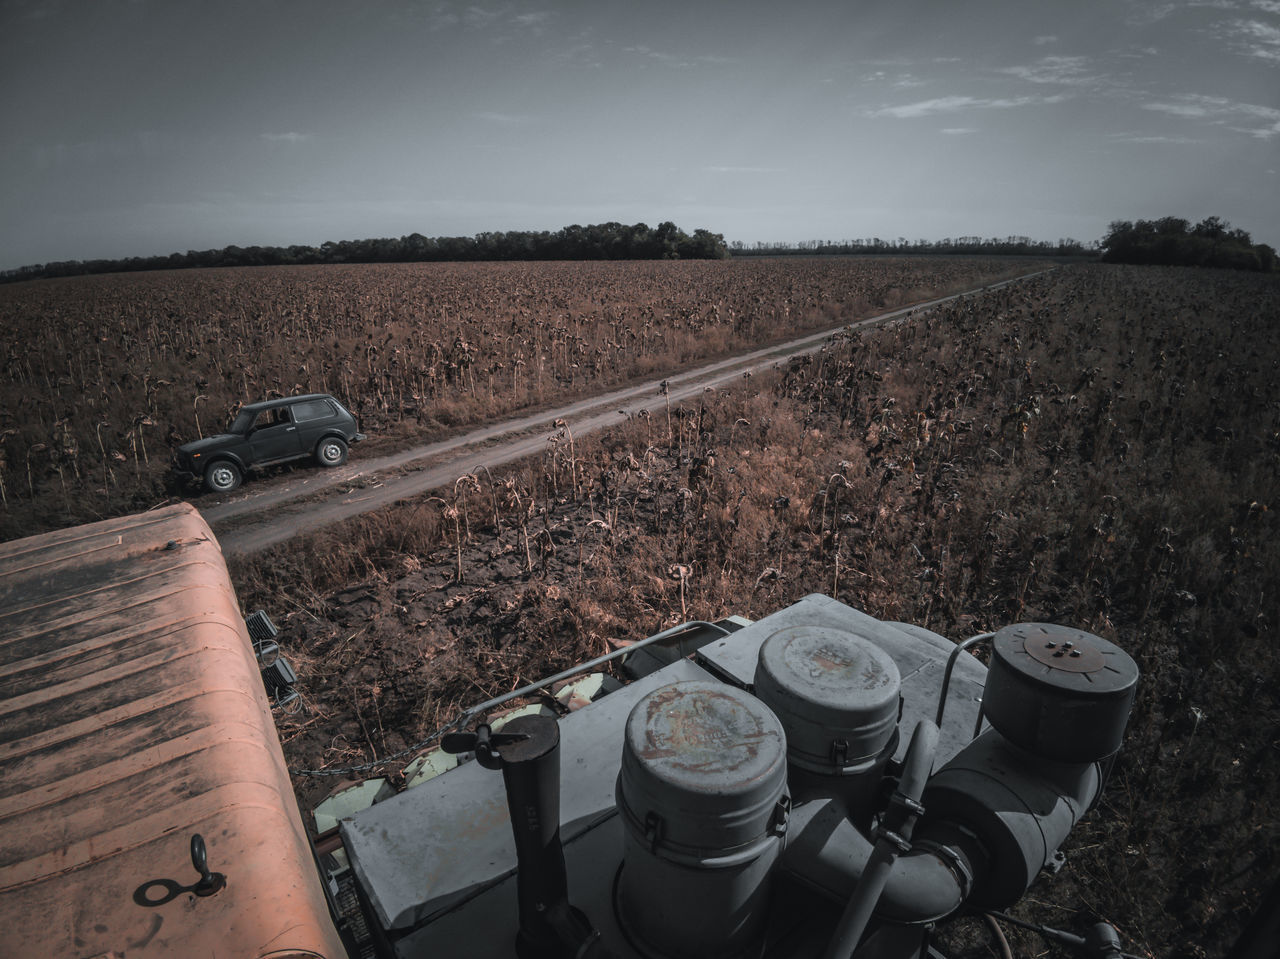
(1064, 658)
(829, 684)
(709, 759)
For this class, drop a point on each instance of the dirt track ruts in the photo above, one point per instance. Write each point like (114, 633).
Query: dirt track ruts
(260, 517)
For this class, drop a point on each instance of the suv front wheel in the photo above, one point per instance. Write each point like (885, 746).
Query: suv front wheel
(222, 477)
(331, 451)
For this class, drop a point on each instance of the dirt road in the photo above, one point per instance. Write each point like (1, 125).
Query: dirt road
(262, 515)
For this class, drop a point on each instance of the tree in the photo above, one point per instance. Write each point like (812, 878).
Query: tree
(1173, 241)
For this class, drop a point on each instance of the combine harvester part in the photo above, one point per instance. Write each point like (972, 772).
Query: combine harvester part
(817, 783)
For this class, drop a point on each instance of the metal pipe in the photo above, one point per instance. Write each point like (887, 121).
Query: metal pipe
(529, 757)
(584, 667)
(533, 799)
(946, 676)
(465, 718)
(826, 851)
(893, 837)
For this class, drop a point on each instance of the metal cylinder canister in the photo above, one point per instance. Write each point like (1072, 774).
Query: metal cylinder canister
(1058, 700)
(837, 696)
(1058, 692)
(702, 794)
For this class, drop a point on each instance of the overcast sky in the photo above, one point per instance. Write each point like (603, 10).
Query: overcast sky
(136, 127)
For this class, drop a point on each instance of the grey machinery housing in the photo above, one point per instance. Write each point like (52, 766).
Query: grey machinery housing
(815, 783)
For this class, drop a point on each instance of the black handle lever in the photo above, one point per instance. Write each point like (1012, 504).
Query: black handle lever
(210, 882)
(484, 742)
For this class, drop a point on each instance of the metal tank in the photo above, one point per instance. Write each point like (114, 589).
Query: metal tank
(702, 793)
(837, 696)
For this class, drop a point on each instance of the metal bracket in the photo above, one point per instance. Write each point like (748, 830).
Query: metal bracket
(880, 831)
(956, 863)
(906, 804)
(781, 815)
(652, 829)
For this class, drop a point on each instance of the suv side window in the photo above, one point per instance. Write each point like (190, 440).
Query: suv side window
(268, 418)
(312, 410)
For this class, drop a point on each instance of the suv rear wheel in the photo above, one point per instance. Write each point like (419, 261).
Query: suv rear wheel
(331, 451)
(222, 477)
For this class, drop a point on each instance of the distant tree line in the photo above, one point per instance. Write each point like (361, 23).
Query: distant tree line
(994, 246)
(603, 241)
(1170, 240)
(1174, 241)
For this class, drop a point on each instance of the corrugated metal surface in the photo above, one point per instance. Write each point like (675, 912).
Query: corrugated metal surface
(132, 715)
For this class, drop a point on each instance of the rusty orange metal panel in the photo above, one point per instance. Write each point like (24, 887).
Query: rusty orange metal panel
(132, 715)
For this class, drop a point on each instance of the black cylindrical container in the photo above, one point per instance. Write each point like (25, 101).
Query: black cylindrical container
(1058, 692)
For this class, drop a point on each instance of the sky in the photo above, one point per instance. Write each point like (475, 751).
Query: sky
(141, 127)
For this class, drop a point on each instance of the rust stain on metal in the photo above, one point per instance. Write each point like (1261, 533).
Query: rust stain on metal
(703, 731)
(831, 659)
(829, 662)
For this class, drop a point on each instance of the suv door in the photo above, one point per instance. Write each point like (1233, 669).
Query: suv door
(313, 418)
(274, 437)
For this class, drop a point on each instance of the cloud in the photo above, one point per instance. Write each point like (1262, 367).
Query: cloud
(1179, 109)
(1045, 40)
(1144, 14)
(1134, 52)
(1247, 35)
(446, 16)
(675, 60)
(441, 18)
(1260, 122)
(1064, 71)
(900, 81)
(648, 52)
(290, 137)
(1143, 138)
(477, 18)
(956, 104)
(959, 131)
(534, 20)
(581, 50)
(1254, 38)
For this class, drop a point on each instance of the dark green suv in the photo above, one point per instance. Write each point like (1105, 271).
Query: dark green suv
(263, 434)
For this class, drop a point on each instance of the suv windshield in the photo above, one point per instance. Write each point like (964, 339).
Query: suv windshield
(242, 422)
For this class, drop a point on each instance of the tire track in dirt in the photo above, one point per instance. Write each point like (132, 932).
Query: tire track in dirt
(263, 517)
